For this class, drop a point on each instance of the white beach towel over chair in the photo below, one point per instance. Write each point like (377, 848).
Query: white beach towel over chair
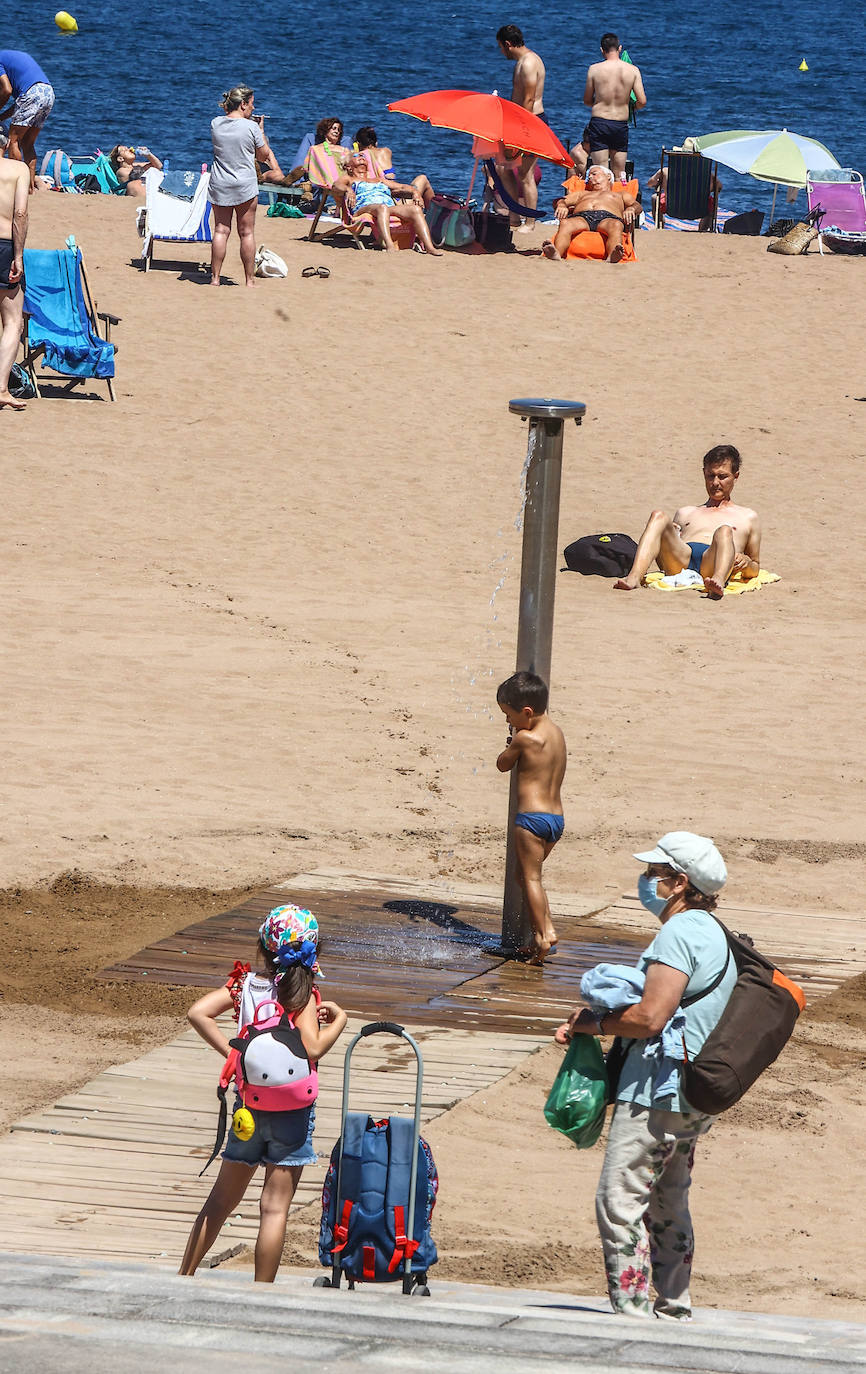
(172, 219)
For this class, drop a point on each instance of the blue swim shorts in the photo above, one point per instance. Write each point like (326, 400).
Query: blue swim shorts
(544, 824)
(281, 1138)
(698, 551)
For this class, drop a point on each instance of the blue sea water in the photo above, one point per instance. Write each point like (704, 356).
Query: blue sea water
(153, 72)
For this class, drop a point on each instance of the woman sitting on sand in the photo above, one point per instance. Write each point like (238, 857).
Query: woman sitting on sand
(381, 160)
(368, 195)
(130, 169)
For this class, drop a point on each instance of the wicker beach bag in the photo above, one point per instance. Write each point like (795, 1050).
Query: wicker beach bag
(795, 242)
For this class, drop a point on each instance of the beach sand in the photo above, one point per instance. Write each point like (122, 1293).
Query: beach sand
(258, 609)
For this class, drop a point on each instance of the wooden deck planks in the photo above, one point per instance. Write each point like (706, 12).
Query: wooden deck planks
(112, 1170)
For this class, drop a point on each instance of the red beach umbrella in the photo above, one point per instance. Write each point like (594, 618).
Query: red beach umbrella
(488, 117)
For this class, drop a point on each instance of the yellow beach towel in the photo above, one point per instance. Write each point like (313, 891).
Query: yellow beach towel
(735, 587)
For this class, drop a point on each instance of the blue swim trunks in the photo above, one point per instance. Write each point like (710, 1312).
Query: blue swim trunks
(544, 824)
(698, 551)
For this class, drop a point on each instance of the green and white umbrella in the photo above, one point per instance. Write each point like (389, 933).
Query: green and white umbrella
(774, 155)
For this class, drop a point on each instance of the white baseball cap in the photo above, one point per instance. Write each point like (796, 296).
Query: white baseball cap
(694, 855)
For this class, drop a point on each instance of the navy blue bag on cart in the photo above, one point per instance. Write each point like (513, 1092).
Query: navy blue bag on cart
(364, 1231)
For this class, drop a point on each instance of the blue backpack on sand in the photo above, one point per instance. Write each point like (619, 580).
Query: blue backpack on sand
(363, 1233)
(58, 165)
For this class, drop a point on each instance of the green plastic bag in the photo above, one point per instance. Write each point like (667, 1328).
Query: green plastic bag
(576, 1103)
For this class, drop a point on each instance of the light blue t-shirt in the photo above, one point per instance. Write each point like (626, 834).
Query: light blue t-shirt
(693, 942)
(21, 69)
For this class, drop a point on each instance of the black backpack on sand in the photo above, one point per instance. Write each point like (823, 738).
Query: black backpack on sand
(602, 555)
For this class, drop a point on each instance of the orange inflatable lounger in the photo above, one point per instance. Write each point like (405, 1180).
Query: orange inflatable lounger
(590, 245)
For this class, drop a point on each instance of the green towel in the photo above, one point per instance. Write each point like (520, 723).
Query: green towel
(632, 98)
(281, 209)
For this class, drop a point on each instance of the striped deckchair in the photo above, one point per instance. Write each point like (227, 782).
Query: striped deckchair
(170, 219)
(691, 191)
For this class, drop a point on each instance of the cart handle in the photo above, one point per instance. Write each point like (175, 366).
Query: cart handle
(375, 1026)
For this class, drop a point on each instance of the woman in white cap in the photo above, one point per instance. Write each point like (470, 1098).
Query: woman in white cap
(642, 1199)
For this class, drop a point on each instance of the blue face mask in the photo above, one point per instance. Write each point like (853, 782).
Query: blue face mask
(648, 896)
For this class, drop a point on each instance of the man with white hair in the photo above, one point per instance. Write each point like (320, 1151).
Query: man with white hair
(599, 208)
(14, 190)
(689, 972)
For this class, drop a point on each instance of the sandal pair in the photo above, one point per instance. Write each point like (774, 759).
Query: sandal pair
(316, 272)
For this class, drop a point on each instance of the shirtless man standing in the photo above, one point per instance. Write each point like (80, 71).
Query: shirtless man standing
(716, 539)
(527, 89)
(599, 208)
(609, 84)
(14, 190)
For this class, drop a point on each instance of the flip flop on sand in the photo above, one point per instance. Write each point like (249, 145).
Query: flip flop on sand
(316, 272)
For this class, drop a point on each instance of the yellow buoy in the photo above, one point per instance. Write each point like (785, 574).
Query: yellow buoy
(804, 66)
(66, 22)
(243, 1123)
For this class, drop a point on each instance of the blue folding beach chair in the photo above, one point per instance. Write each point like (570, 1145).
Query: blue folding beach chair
(61, 322)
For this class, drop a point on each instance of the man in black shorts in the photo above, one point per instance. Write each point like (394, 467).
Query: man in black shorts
(609, 85)
(599, 208)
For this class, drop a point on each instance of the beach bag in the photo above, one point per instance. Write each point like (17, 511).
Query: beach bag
(576, 1102)
(493, 232)
(751, 1033)
(270, 264)
(601, 555)
(795, 242)
(363, 1232)
(58, 165)
(270, 1067)
(749, 222)
(20, 384)
(450, 223)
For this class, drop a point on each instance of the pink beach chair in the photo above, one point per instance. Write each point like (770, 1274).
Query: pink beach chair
(838, 199)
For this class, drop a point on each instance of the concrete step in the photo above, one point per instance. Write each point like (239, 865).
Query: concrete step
(65, 1316)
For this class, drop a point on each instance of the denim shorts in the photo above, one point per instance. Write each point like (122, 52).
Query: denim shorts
(281, 1138)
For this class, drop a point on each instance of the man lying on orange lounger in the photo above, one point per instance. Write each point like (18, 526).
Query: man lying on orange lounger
(598, 208)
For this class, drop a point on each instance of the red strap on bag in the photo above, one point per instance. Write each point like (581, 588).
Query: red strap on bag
(369, 1270)
(403, 1246)
(341, 1232)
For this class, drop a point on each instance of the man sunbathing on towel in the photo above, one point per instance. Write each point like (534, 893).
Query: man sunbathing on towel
(599, 208)
(716, 539)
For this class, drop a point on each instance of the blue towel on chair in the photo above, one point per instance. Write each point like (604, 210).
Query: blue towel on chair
(59, 319)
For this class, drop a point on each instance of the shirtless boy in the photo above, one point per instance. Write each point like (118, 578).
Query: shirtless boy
(716, 539)
(600, 208)
(527, 89)
(14, 190)
(609, 84)
(536, 748)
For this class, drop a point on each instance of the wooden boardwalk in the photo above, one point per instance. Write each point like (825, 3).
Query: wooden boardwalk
(112, 1169)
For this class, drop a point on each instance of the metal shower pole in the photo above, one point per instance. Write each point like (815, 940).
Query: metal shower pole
(537, 590)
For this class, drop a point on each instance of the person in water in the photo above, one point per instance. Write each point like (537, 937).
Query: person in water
(366, 193)
(536, 748)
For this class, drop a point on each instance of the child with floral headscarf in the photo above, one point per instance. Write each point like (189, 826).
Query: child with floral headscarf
(281, 1141)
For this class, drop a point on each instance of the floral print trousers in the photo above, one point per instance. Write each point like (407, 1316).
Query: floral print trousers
(642, 1208)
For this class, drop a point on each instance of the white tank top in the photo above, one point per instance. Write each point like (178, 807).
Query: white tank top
(254, 990)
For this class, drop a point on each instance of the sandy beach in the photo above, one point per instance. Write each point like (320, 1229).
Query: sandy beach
(258, 609)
